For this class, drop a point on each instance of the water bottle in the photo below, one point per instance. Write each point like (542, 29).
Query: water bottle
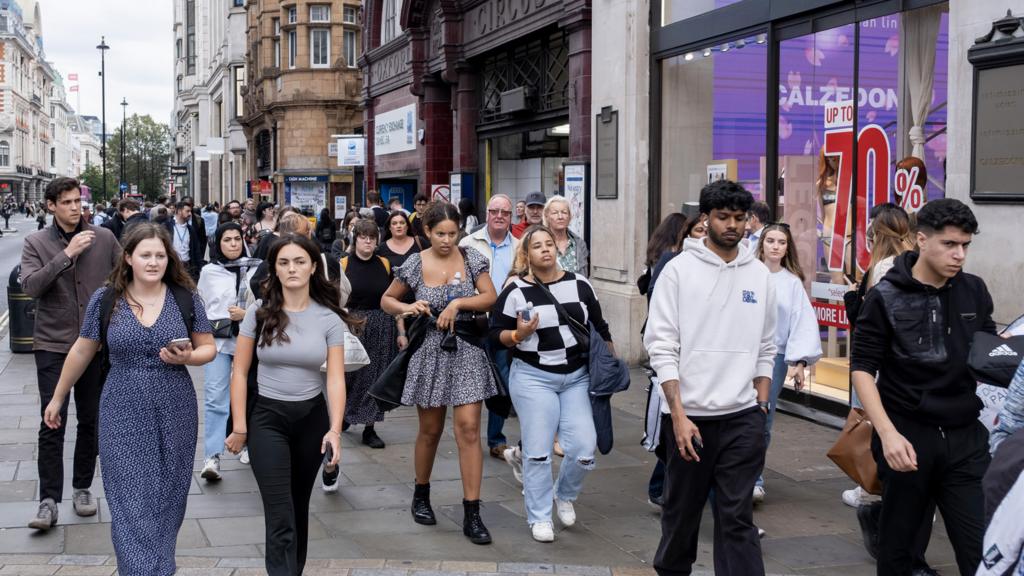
(448, 289)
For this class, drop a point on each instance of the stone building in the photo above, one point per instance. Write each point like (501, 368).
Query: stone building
(205, 122)
(301, 90)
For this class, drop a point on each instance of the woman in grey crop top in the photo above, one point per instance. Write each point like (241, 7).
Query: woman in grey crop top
(292, 426)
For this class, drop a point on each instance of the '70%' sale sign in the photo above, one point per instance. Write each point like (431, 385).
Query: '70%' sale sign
(871, 149)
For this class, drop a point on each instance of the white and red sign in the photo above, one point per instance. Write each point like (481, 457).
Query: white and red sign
(872, 155)
(73, 77)
(441, 192)
(833, 315)
(910, 194)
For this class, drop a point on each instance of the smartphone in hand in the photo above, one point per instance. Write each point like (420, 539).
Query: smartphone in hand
(328, 454)
(179, 345)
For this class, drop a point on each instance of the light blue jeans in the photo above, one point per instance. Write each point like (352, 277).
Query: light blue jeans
(217, 388)
(778, 379)
(548, 403)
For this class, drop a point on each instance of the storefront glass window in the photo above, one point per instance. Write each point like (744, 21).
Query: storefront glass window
(895, 102)
(713, 119)
(676, 10)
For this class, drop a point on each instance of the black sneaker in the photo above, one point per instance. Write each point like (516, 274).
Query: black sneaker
(371, 439)
(330, 480)
(46, 517)
(867, 517)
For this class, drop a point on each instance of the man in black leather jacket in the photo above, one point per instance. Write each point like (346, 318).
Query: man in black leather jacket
(914, 332)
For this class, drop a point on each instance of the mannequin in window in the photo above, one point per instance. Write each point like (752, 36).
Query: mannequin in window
(827, 187)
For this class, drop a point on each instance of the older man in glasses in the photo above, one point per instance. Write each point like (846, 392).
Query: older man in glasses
(495, 241)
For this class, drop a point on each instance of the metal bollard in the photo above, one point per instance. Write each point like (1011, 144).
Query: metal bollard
(22, 308)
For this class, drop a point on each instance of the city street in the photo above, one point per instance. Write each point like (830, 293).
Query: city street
(365, 529)
(10, 256)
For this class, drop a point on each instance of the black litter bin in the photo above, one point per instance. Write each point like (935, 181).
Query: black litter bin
(22, 308)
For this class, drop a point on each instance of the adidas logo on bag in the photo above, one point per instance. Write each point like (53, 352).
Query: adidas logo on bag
(1003, 350)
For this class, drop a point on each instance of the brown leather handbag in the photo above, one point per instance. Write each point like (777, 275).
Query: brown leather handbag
(852, 452)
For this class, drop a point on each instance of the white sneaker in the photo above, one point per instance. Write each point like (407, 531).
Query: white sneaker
(211, 469)
(514, 457)
(330, 479)
(758, 494)
(243, 456)
(543, 531)
(760, 533)
(566, 513)
(857, 497)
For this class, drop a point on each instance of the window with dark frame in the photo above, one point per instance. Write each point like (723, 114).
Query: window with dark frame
(190, 35)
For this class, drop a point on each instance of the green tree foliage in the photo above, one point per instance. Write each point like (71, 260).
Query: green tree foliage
(146, 145)
(93, 178)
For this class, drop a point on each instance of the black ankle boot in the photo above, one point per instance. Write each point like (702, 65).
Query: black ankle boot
(422, 513)
(472, 526)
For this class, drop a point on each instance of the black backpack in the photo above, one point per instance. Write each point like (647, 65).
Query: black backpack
(182, 297)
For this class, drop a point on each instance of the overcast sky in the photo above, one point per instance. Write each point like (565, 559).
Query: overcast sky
(140, 62)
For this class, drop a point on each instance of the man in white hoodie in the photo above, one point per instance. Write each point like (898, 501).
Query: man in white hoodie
(710, 337)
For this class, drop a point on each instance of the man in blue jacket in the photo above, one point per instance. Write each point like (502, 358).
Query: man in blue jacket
(914, 332)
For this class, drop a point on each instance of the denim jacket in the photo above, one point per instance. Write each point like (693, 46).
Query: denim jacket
(1011, 417)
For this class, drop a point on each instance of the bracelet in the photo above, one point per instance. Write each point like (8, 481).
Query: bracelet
(401, 334)
(335, 431)
(237, 432)
(515, 337)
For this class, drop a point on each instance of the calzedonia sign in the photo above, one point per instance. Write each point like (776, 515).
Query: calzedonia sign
(395, 131)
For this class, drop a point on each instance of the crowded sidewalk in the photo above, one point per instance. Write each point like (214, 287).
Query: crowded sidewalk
(365, 528)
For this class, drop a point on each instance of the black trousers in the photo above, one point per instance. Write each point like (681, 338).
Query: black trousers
(950, 466)
(51, 442)
(284, 451)
(730, 461)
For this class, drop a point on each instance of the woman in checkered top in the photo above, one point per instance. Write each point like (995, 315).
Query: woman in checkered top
(548, 380)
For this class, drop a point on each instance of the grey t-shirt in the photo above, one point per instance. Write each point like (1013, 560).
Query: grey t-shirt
(291, 371)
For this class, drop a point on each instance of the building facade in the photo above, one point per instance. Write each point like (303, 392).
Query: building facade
(26, 80)
(302, 89)
(751, 90)
(477, 98)
(209, 63)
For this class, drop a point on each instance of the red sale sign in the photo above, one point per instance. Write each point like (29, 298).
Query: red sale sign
(910, 194)
(872, 155)
(833, 315)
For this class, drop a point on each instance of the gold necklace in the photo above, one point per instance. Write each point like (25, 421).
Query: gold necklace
(142, 302)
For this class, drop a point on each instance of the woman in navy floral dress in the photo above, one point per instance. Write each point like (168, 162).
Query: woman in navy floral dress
(148, 412)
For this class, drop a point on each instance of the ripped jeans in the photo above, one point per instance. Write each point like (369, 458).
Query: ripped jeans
(549, 403)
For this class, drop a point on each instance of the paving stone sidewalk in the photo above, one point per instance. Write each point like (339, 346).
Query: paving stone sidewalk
(365, 529)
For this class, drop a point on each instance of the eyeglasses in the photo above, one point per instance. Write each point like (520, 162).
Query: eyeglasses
(497, 212)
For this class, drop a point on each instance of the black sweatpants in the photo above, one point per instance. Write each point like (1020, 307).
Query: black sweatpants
(730, 461)
(51, 442)
(284, 451)
(950, 466)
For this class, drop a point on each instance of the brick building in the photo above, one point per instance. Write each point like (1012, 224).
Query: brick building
(492, 96)
(302, 89)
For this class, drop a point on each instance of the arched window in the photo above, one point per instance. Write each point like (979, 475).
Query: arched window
(5, 154)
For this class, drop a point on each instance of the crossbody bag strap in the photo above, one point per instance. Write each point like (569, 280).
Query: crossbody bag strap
(564, 315)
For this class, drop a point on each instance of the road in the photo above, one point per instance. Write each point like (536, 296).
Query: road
(10, 256)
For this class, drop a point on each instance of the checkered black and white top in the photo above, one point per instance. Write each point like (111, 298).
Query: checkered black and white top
(552, 347)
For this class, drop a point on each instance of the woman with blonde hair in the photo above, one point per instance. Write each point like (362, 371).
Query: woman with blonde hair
(888, 236)
(573, 255)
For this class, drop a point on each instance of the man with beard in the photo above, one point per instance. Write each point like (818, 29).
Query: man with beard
(710, 336)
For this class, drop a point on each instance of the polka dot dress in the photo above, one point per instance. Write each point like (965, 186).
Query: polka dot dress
(148, 423)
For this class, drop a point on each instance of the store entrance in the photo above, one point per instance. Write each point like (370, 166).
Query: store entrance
(529, 161)
(403, 189)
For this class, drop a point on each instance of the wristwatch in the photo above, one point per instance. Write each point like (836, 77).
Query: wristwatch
(766, 406)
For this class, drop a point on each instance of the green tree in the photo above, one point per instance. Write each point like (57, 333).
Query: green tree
(93, 178)
(146, 145)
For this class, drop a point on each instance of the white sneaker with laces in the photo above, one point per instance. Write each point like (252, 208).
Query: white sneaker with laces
(243, 456)
(566, 513)
(758, 494)
(211, 469)
(514, 457)
(543, 531)
(857, 497)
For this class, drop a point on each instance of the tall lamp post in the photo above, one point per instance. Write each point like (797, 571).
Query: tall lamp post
(103, 96)
(124, 135)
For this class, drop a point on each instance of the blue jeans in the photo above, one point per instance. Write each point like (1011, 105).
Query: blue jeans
(778, 379)
(217, 389)
(495, 423)
(548, 403)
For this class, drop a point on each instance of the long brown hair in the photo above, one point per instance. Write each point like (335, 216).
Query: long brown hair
(272, 315)
(122, 275)
(791, 261)
(521, 262)
(665, 237)
(889, 233)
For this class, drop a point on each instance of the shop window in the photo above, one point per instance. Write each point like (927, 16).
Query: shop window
(676, 10)
(856, 79)
(320, 47)
(713, 119)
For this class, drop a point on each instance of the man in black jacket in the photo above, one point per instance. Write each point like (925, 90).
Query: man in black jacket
(186, 239)
(914, 332)
(127, 215)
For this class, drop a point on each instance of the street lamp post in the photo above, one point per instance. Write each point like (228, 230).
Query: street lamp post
(103, 95)
(124, 135)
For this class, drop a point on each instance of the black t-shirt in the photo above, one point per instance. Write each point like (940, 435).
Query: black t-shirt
(369, 279)
(395, 258)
